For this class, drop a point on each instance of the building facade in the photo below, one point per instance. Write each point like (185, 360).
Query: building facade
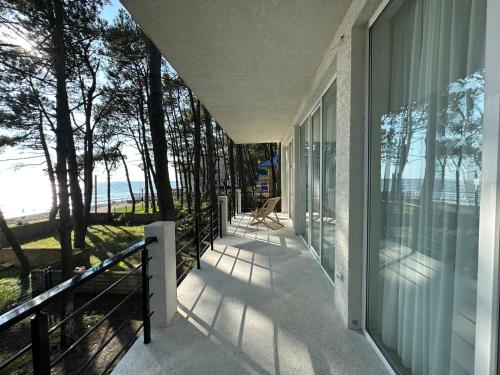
(388, 114)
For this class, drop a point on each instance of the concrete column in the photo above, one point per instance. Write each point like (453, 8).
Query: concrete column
(296, 180)
(223, 200)
(350, 177)
(162, 268)
(238, 201)
(285, 190)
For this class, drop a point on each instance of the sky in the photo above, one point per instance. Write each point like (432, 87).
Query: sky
(109, 11)
(27, 187)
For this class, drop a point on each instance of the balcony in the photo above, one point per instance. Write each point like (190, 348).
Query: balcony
(259, 304)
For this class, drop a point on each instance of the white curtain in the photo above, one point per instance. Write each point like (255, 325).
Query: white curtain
(428, 64)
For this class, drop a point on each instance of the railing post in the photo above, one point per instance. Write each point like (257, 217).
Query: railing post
(219, 222)
(197, 238)
(223, 200)
(146, 317)
(211, 227)
(162, 272)
(47, 276)
(40, 344)
(238, 201)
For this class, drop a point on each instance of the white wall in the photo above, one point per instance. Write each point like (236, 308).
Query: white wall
(346, 60)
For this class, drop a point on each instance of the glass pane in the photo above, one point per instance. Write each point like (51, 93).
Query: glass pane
(427, 99)
(329, 162)
(303, 171)
(315, 179)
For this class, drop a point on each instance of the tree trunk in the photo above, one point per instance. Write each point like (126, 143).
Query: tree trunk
(176, 174)
(88, 171)
(171, 135)
(232, 173)
(50, 170)
(187, 167)
(204, 172)
(224, 157)
(146, 189)
(80, 227)
(217, 156)
(210, 158)
(250, 167)
(130, 190)
(63, 132)
(197, 155)
(278, 176)
(182, 191)
(152, 192)
(273, 171)
(241, 175)
(11, 239)
(88, 156)
(108, 189)
(157, 124)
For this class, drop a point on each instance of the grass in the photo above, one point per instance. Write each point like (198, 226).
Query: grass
(101, 237)
(127, 208)
(12, 290)
(104, 241)
(139, 208)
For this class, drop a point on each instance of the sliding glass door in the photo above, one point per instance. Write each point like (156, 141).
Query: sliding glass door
(426, 118)
(315, 180)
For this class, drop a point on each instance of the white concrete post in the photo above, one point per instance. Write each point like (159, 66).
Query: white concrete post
(162, 268)
(223, 200)
(238, 201)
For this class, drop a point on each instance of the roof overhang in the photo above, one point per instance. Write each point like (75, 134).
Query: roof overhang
(249, 61)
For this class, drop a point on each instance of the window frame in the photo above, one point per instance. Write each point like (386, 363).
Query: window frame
(487, 311)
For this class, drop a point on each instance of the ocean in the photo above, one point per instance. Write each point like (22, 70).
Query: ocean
(20, 202)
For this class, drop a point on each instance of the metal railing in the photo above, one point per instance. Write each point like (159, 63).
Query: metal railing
(48, 314)
(230, 207)
(251, 200)
(55, 300)
(193, 236)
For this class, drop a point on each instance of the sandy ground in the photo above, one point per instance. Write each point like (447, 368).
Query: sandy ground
(44, 216)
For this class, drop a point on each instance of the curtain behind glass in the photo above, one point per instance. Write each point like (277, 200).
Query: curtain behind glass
(425, 152)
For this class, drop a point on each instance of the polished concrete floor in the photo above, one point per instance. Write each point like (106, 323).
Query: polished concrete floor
(260, 304)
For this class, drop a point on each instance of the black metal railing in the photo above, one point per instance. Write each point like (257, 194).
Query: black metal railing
(193, 236)
(56, 312)
(251, 200)
(230, 207)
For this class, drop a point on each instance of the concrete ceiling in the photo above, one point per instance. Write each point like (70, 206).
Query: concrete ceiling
(249, 61)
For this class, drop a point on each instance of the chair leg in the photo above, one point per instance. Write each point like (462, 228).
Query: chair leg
(266, 224)
(256, 221)
(275, 214)
(276, 221)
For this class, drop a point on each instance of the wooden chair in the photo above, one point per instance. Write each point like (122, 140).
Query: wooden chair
(261, 214)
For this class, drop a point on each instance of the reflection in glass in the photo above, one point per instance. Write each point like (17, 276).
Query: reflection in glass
(328, 173)
(316, 179)
(427, 96)
(304, 181)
